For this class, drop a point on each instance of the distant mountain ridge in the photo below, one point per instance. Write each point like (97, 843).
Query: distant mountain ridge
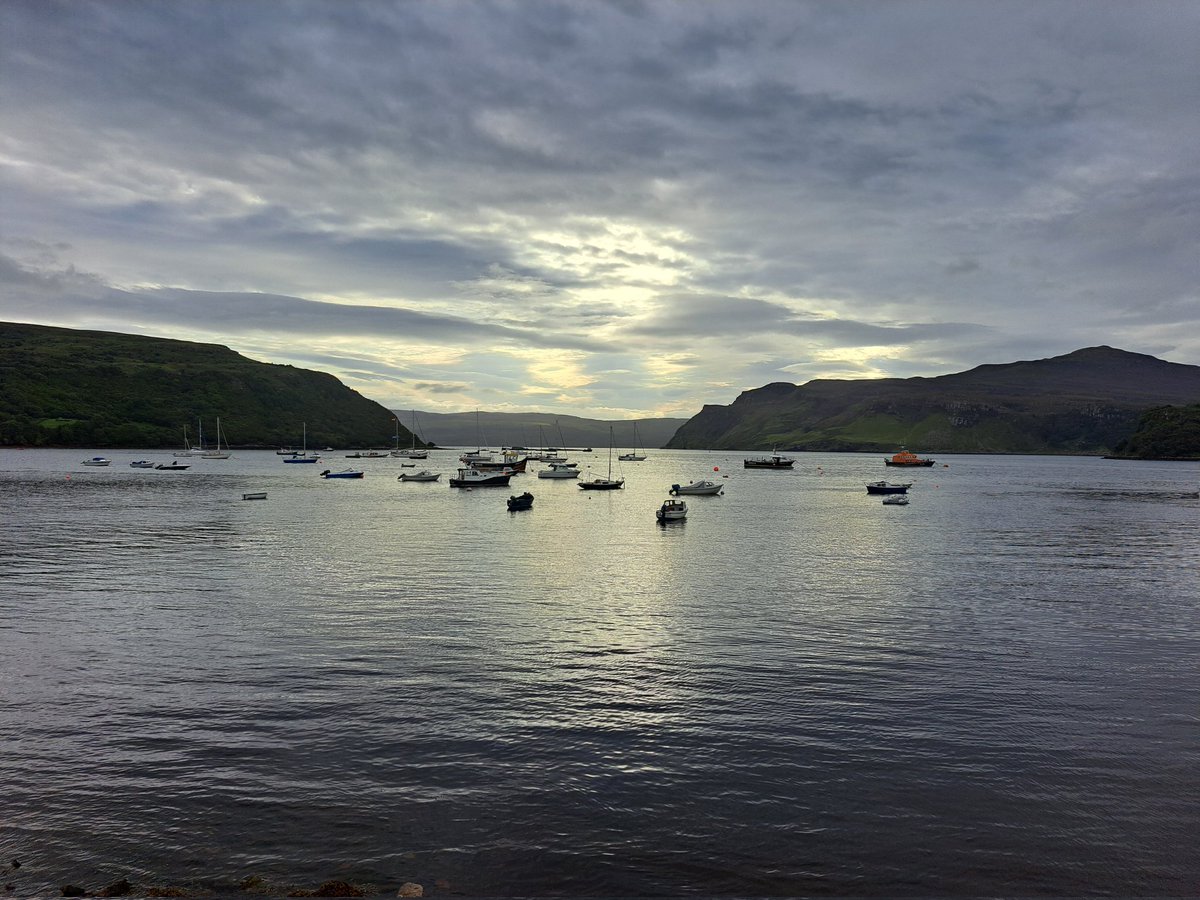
(534, 428)
(70, 388)
(1087, 401)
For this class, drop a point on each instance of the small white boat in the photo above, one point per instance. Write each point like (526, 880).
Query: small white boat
(559, 470)
(672, 511)
(255, 495)
(141, 464)
(423, 475)
(697, 488)
(98, 461)
(172, 467)
(895, 500)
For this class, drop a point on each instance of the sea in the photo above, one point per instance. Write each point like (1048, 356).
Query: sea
(798, 691)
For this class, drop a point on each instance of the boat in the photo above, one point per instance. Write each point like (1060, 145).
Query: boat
(368, 454)
(633, 455)
(302, 456)
(255, 495)
(774, 461)
(697, 488)
(469, 476)
(522, 501)
(559, 470)
(906, 458)
(142, 464)
(887, 487)
(423, 475)
(895, 500)
(98, 461)
(607, 483)
(188, 449)
(172, 467)
(508, 460)
(672, 511)
(413, 452)
(217, 452)
(345, 473)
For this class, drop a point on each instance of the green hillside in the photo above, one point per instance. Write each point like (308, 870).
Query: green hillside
(1084, 402)
(61, 387)
(1165, 432)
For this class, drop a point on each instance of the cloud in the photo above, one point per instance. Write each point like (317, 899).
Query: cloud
(786, 189)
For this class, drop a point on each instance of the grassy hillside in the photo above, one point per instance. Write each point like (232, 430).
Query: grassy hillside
(1166, 432)
(67, 388)
(1084, 402)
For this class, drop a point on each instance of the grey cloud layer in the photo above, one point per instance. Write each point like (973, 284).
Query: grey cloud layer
(954, 179)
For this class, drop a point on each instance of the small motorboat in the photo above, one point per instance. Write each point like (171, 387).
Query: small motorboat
(172, 467)
(560, 470)
(886, 487)
(423, 475)
(141, 464)
(255, 495)
(697, 489)
(98, 461)
(895, 500)
(672, 511)
(522, 501)
(345, 473)
(907, 458)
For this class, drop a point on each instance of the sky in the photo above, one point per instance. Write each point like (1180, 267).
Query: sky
(607, 209)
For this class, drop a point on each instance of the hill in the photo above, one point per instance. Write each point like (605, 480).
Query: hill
(536, 429)
(1083, 402)
(68, 388)
(1165, 432)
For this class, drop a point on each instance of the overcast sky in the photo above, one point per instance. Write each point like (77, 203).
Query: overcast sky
(607, 209)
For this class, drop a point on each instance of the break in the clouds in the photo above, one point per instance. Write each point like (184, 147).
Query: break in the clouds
(606, 208)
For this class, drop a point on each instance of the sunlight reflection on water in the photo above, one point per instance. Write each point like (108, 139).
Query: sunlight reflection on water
(798, 690)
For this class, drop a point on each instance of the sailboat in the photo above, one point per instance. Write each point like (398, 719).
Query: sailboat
(633, 456)
(607, 483)
(217, 453)
(415, 452)
(303, 457)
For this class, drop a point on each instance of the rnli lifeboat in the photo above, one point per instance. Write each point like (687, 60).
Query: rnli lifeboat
(907, 458)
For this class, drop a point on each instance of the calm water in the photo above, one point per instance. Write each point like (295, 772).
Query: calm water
(992, 691)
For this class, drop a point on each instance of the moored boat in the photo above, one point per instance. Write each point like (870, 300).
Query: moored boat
(172, 467)
(697, 488)
(141, 464)
(607, 483)
(671, 511)
(423, 475)
(255, 495)
(887, 487)
(521, 501)
(774, 461)
(345, 473)
(98, 461)
(559, 470)
(907, 458)
(472, 477)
